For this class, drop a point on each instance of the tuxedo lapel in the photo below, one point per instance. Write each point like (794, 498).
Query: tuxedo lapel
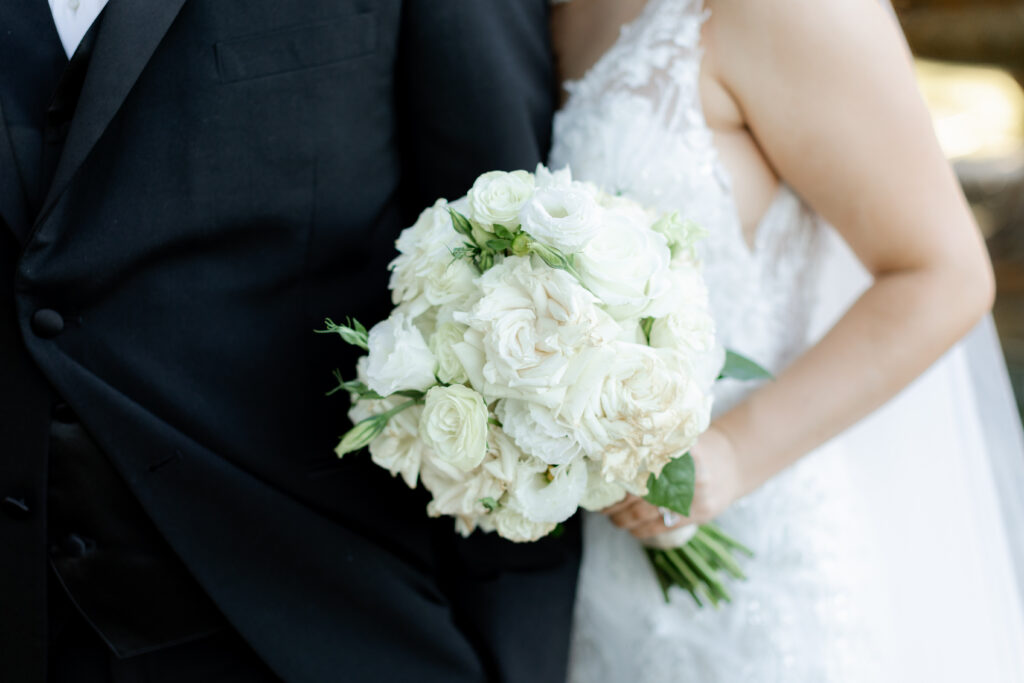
(127, 38)
(12, 194)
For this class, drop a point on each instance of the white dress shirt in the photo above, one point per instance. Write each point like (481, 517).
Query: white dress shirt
(73, 19)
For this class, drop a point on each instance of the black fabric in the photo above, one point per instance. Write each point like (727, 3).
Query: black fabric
(112, 562)
(211, 205)
(78, 655)
(34, 62)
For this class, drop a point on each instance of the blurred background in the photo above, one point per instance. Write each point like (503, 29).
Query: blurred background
(970, 65)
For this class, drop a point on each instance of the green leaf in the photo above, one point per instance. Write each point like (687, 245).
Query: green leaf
(352, 332)
(499, 245)
(410, 393)
(490, 504)
(502, 232)
(742, 368)
(355, 387)
(673, 488)
(557, 532)
(645, 325)
(461, 223)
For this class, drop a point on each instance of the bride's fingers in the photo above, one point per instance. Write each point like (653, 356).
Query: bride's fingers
(657, 527)
(635, 516)
(629, 501)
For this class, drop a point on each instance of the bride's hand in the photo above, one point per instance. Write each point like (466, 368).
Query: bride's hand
(718, 484)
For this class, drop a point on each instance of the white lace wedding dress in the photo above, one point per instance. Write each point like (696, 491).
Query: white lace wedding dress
(881, 557)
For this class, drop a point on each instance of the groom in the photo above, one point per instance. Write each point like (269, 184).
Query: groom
(187, 188)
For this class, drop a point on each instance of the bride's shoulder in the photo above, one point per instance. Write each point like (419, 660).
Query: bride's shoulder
(793, 28)
(757, 45)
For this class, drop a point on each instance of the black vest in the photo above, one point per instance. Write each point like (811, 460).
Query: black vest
(69, 504)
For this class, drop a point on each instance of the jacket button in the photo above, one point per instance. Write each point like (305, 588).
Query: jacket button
(16, 508)
(77, 547)
(47, 323)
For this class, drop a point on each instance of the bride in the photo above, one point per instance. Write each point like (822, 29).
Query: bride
(884, 554)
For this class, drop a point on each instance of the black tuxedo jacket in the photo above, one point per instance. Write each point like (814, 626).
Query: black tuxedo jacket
(235, 171)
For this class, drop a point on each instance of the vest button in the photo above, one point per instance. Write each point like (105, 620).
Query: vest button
(47, 323)
(16, 508)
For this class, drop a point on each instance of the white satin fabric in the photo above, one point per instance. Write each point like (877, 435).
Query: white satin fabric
(883, 556)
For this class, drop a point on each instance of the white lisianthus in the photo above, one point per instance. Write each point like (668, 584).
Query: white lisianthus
(545, 177)
(514, 526)
(600, 493)
(454, 425)
(442, 342)
(565, 218)
(537, 431)
(626, 265)
(399, 358)
(425, 273)
(497, 198)
(527, 328)
(550, 494)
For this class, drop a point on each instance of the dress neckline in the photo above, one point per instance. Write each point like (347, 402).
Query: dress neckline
(783, 193)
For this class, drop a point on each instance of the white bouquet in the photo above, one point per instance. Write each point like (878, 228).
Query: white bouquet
(551, 348)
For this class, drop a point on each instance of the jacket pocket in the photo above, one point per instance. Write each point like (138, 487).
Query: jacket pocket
(296, 48)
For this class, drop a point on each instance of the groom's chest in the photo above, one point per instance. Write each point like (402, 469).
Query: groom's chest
(226, 102)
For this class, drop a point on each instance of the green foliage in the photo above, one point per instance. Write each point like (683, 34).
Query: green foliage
(742, 368)
(645, 325)
(674, 487)
(351, 332)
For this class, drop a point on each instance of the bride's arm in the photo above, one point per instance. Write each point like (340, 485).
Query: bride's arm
(828, 92)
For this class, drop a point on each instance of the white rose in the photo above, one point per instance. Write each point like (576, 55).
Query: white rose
(442, 342)
(626, 265)
(399, 358)
(497, 197)
(538, 432)
(527, 328)
(550, 494)
(514, 526)
(454, 426)
(600, 493)
(565, 218)
(648, 409)
(424, 273)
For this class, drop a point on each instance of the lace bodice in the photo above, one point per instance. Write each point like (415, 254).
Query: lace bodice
(634, 125)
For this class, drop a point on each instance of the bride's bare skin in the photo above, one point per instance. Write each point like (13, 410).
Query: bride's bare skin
(823, 96)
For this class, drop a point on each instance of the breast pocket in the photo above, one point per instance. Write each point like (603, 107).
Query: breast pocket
(296, 48)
